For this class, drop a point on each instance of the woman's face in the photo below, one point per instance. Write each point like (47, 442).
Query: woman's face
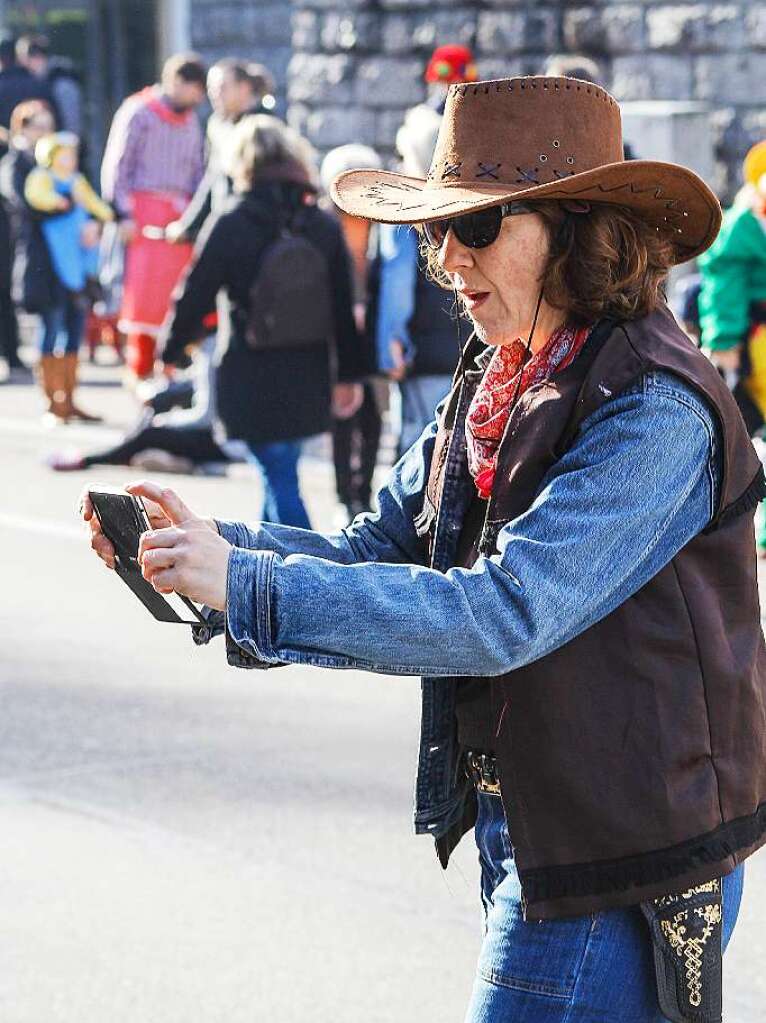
(500, 285)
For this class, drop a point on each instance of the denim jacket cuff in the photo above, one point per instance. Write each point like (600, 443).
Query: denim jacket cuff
(248, 602)
(234, 532)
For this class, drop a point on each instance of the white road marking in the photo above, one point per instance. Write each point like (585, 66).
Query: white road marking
(32, 525)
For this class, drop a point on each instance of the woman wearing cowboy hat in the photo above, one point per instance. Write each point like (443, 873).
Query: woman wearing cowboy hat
(566, 556)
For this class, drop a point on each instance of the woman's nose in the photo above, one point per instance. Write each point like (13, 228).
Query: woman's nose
(453, 255)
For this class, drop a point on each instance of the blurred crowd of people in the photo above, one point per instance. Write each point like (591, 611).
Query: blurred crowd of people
(250, 312)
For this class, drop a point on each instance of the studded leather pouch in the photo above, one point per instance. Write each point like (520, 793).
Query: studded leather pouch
(686, 933)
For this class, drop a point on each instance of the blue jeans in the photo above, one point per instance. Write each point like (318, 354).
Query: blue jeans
(278, 464)
(590, 969)
(66, 316)
(415, 401)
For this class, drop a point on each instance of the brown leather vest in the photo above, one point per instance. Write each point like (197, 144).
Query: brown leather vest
(632, 759)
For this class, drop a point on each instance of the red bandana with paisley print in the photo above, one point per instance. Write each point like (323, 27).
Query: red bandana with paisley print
(490, 408)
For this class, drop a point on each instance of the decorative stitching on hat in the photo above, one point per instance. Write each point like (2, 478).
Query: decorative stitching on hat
(527, 175)
(451, 170)
(488, 170)
(403, 186)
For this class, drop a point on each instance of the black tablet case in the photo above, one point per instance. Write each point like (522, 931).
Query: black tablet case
(123, 520)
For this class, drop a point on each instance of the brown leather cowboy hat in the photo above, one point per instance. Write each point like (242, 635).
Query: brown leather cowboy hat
(536, 138)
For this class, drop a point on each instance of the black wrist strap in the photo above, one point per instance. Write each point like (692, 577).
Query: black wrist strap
(149, 597)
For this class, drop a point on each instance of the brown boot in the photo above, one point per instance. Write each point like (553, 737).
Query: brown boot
(71, 362)
(50, 372)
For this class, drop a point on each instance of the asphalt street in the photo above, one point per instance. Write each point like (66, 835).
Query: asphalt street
(181, 842)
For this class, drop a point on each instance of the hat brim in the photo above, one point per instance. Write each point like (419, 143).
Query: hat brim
(671, 198)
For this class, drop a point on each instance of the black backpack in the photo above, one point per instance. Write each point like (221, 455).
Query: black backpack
(290, 301)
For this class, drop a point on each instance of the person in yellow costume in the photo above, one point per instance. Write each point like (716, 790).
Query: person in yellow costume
(56, 186)
(69, 211)
(732, 301)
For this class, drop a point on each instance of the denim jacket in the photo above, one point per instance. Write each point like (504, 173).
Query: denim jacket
(638, 483)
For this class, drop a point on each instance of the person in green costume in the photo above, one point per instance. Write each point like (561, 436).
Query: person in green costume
(732, 301)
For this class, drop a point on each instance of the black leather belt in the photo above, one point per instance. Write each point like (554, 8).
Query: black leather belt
(481, 768)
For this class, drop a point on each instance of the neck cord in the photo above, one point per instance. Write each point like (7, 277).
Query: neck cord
(528, 346)
(460, 348)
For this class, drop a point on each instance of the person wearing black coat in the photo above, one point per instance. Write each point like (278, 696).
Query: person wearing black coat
(269, 399)
(17, 84)
(29, 276)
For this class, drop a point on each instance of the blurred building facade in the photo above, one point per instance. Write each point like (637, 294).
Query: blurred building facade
(348, 69)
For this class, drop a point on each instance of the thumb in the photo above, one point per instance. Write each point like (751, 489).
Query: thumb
(167, 499)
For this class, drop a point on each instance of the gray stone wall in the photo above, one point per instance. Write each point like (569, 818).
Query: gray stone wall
(259, 30)
(358, 64)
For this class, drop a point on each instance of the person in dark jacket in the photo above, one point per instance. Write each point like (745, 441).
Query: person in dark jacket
(16, 85)
(268, 399)
(57, 74)
(567, 558)
(32, 280)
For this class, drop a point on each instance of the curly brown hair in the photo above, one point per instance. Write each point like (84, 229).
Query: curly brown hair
(603, 262)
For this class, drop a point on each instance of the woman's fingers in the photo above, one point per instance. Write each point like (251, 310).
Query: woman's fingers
(155, 561)
(157, 517)
(164, 581)
(85, 505)
(98, 541)
(168, 500)
(160, 538)
(103, 547)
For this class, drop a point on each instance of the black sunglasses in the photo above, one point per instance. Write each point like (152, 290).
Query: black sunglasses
(475, 230)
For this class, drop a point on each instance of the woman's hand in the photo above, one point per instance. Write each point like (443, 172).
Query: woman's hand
(184, 553)
(163, 508)
(187, 559)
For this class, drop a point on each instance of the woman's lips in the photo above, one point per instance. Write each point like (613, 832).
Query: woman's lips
(473, 299)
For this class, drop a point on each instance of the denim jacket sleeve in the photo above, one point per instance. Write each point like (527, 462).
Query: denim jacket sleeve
(396, 303)
(387, 535)
(636, 486)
